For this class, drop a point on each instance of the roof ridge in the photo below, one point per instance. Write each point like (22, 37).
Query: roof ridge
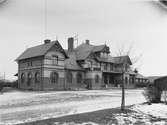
(42, 44)
(38, 50)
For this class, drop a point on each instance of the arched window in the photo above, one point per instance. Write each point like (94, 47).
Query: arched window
(97, 79)
(69, 77)
(79, 78)
(29, 79)
(37, 77)
(54, 77)
(22, 78)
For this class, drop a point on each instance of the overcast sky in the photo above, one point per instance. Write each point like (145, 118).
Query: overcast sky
(142, 23)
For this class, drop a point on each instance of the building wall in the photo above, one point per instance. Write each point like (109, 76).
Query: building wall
(30, 66)
(49, 67)
(90, 79)
(48, 60)
(44, 65)
(161, 83)
(47, 84)
(74, 84)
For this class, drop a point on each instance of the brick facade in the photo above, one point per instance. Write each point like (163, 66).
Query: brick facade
(50, 67)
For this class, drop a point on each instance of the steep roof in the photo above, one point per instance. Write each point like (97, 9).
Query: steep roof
(110, 59)
(118, 60)
(84, 50)
(71, 62)
(122, 59)
(39, 50)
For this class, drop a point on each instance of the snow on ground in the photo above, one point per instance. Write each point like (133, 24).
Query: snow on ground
(137, 119)
(19, 107)
(155, 114)
(73, 123)
(155, 110)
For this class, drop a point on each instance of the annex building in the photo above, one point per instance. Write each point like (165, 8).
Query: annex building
(50, 67)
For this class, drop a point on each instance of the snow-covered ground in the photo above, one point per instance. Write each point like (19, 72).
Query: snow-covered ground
(155, 110)
(155, 114)
(139, 114)
(19, 107)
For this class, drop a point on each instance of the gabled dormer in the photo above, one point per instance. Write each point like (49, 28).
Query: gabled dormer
(102, 51)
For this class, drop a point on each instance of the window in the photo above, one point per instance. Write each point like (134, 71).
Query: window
(97, 79)
(55, 59)
(22, 78)
(54, 77)
(69, 77)
(29, 63)
(111, 67)
(29, 79)
(37, 77)
(105, 66)
(79, 78)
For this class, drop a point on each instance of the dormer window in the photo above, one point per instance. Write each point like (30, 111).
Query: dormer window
(55, 59)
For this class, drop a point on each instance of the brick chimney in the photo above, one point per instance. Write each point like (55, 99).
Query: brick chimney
(70, 44)
(47, 41)
(87, 42)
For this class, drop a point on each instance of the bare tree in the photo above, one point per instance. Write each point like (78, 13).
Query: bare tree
(122, 51)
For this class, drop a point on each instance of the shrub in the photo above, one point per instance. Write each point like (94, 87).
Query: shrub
(152, 94)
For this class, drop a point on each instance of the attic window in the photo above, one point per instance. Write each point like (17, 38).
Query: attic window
(55, 59)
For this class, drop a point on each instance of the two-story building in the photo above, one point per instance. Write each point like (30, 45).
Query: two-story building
(50, 67)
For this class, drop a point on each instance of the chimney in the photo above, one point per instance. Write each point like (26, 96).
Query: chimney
(47, 41)
(136, 71)
(87, 42)
(70, 44)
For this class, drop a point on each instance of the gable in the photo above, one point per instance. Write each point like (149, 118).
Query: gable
(55, 50)
(101, 48)
(41, 50)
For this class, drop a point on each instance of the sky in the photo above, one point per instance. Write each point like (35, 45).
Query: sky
(141, 24)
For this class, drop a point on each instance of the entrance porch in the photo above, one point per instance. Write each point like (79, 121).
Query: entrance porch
(111, 79)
